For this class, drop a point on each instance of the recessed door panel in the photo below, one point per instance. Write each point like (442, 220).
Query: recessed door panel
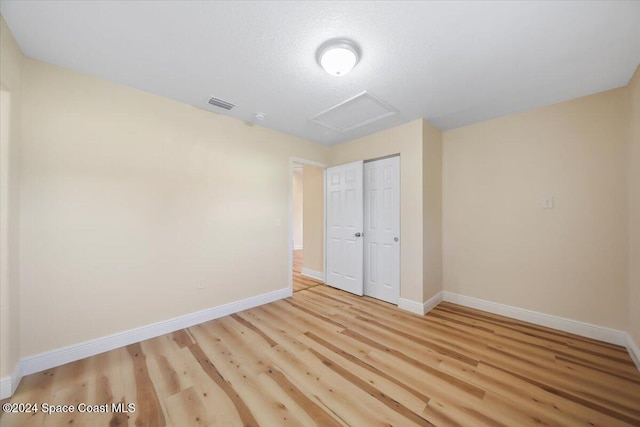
(353, 216)
(372, 210)
(334, 205)
(372, 278)
(387, 209)
(351, 253)
(387, 267)
(335, 247)
(335, 177)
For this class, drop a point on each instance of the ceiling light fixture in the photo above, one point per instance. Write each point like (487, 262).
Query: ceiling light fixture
(338, 56)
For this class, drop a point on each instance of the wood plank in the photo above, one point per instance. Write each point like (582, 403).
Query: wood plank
(246, 416)
(148, 409)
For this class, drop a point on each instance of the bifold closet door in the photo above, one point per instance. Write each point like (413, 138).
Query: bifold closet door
(382, 229)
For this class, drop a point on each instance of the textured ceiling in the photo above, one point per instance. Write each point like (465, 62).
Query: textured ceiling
(452, 63)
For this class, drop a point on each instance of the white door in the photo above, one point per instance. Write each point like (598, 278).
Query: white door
(382, 229)
(344, 227)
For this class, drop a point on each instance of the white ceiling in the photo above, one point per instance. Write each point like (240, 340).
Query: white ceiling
(452, 63)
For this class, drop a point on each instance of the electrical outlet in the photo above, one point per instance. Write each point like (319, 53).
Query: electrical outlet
(547, 203)
(276, 222)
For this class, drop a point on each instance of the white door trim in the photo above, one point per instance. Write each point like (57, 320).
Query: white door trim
(292, 162)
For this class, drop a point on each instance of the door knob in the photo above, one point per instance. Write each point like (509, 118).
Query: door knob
(395, 239)
(359, 234)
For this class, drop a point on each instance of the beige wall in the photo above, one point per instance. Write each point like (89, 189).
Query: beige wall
(634, 209)
(11, 86)
(407, 141)
(313, 218)
(298, 197)
(432, 209)
(128, 200)
(500, 245)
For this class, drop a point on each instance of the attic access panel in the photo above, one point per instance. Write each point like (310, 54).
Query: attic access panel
(355, 112)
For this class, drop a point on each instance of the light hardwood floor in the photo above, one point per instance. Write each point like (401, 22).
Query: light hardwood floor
(327, 358)
(301, 282)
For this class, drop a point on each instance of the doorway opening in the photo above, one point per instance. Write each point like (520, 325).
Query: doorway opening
(306, 224)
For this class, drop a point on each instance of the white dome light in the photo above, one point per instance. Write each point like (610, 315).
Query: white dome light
(338, 57)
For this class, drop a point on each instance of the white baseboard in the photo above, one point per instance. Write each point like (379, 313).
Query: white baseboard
(584, 329)
(634, 350)
(317, 275)
(430, 304)
(9, 384)
(5, 387)
(49, 359)
(298, 247)
(412, 306)
(16, 377)
(420, 308)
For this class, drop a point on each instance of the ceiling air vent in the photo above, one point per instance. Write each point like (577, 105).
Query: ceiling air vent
(220, 103)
